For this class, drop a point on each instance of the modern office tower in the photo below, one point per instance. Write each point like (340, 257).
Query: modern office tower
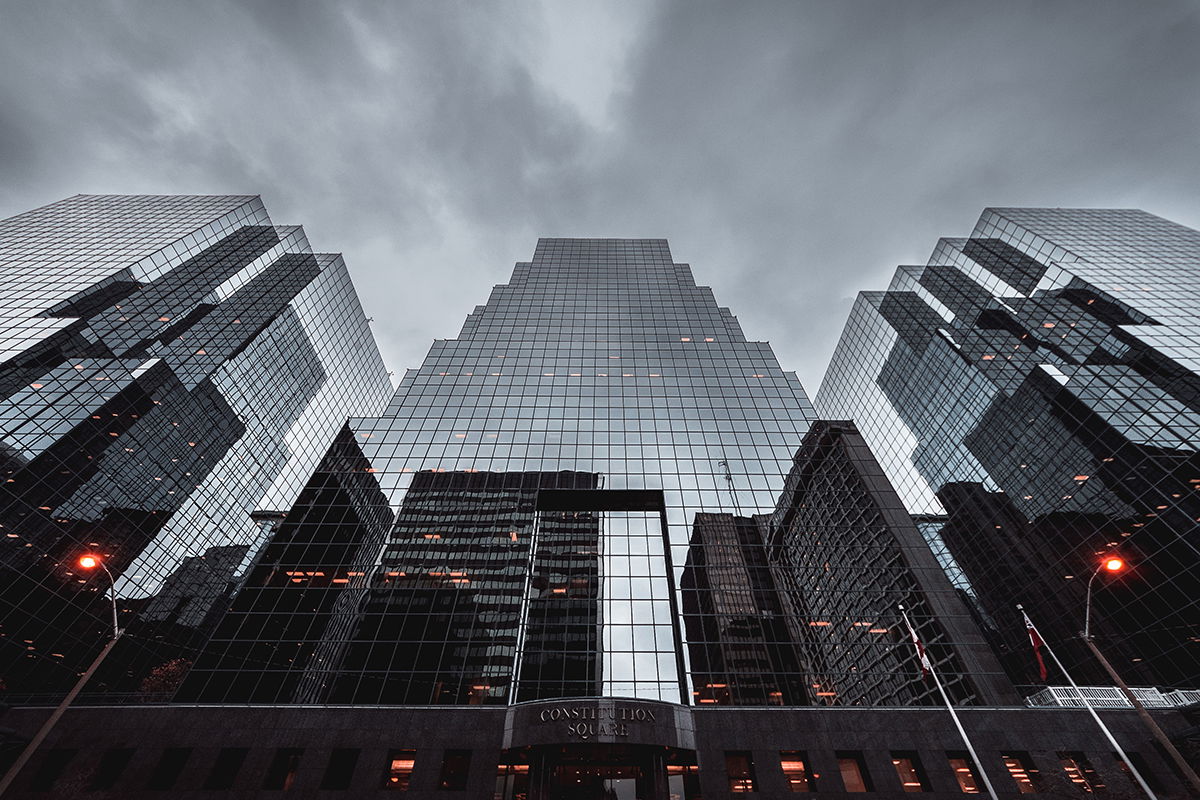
(530, 575)
(1033, 393)
(170, 365)
(567, 474)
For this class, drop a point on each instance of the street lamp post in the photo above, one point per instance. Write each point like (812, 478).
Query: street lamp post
(1114, 565)
(91, 562)
(86, 562)
(1111, 564)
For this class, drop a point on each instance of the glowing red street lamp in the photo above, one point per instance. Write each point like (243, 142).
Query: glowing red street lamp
(1111, 565)
(91, 561)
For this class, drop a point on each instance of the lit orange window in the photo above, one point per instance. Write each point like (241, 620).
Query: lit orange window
(400, 769)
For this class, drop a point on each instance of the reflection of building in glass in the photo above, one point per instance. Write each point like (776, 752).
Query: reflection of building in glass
(166, 629)
(741, 638)
(297, 607)
(442, 619)
(167, 365)
(1037, 385)
(561, 645)
(190, 594)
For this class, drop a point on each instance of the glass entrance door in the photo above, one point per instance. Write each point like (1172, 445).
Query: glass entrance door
(597, 772)
(592, 782)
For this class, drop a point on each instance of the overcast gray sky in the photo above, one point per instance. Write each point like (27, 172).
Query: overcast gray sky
(794, 153)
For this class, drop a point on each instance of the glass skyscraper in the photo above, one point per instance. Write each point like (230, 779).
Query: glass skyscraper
(1033, 392)
(543, 498)
(597, 546)
(171, 366)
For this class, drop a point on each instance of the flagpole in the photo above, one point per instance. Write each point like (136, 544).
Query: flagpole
(1111, 739)
(927, 663)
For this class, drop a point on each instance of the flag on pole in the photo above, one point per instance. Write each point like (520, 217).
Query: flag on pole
(927, 670)
(922, 656)
(1037, 643)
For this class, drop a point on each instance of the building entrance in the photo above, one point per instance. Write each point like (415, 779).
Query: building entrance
(599, 772)
(591, 782)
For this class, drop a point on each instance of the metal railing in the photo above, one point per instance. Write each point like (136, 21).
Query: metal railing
(1111, 697)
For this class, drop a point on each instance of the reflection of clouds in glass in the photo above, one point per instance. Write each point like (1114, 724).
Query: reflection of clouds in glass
(638, 618)
(621, 666)
(644, 638)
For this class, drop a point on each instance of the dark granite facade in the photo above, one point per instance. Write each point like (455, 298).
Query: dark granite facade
(186, 748)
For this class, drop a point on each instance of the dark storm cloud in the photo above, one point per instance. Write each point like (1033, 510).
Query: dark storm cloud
(797, 154)
(409, 138)
(793, 152)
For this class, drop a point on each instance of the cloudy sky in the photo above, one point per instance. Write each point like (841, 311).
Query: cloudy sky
(794, 153)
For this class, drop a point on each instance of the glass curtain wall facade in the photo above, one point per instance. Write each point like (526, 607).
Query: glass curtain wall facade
(553, 505)
(170, 365)
(1032, 393)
